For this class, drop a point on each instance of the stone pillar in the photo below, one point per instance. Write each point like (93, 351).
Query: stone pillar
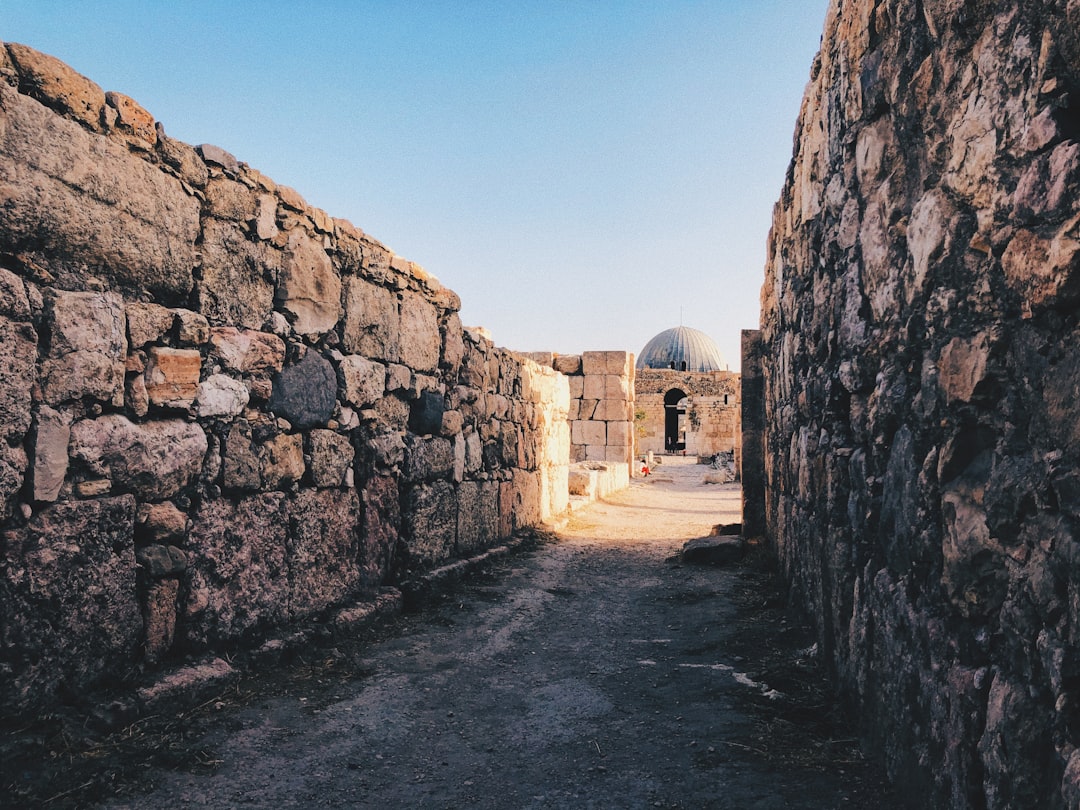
(753, 427)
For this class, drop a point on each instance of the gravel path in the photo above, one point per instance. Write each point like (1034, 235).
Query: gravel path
(591, 672)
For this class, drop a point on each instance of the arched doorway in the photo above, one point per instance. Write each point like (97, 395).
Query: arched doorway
(674, 418)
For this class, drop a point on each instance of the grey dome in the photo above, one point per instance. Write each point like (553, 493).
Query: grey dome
(682, 345)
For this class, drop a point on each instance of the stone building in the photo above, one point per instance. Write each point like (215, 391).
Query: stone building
(687, 400)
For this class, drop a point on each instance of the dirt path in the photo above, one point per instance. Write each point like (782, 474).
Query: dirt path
(591, 672)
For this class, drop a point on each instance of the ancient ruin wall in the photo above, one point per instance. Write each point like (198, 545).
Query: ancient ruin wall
(922, 387)
(712, 421)
(222, 410)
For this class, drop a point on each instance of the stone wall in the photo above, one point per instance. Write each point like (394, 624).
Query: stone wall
(921, 383)
(223, 410)
(601, 405)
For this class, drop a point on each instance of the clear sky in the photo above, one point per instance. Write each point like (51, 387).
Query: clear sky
(583, 173)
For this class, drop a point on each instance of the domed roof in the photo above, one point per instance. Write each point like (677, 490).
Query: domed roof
(674, 347)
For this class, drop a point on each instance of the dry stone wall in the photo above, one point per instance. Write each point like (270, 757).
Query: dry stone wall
(920, 328)
(222, 410)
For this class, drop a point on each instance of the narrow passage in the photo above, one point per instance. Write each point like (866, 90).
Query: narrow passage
(591, 672)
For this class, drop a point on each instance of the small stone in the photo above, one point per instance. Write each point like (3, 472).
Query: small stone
(713, 550)
(172, 376)
(221, 396)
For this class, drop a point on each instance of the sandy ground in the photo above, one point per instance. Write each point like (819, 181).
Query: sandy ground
(589, 672)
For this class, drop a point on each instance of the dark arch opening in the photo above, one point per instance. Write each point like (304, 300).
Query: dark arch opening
(673, 416)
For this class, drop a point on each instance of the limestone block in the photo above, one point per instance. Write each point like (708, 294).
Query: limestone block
(305, 393)
(220, 396)
(237, 577)
(235, 289)
(613, 410)
(160, 523)
(324, 549)
(192, 329)
(430, 523)
(282, 460)
(453, 348)
(587, 408)
(596, 452)
(67, 592)
(58, 86)
(172, 376)
(963, 367)
(154, 460)
(133, 120)
(620, 433)
(393, 412)
(147, 323)
(159, 618)
(554, 490)
(567, 363)
(581, 481)
(616, 387)
(590, 432)
(246, 351)
(76, 200)
(309, 288)
(381, 530)
(363, 382)
(50, 453)
(242, 468)
(619, 453)
(87, 347)
(594, 386)
(216, 156)
(478, 516)
(619, 363)
(372, 322)
(421, 341)
(331, 456)
(577, 387)
(459, 458)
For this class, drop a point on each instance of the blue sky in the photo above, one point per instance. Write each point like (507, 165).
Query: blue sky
(584, 174)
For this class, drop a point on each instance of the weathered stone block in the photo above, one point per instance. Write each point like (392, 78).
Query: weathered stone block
(594, 386)
(172, 377)
(519, 502)
(282, 461)
(87, 347)
(592, 433)
(453, 348)
(567, 363)
(220, 396)
(67, 599)
(381, 529)
(57, 85)
(133, 120)
(613, 410)
(607, 363)
(305, 393)
(372, 323)
(308, 287)
(363, 383)
(242, 468)
(147, 323)
(331, 456)
(192, 329)
(323, 549)
(157, 561)
(247, 351)
(620, 433)
(420, 338)
(237, 579)
(964, 367)
(236, 288)
(50, 453)
(159, 618)
(74, 199)
(478, 516)
(160, 523)
(154, 460)
(428, 458)
(430, 523)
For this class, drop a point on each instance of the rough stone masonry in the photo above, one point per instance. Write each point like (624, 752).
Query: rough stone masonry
(922, 388)
(222, 411)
